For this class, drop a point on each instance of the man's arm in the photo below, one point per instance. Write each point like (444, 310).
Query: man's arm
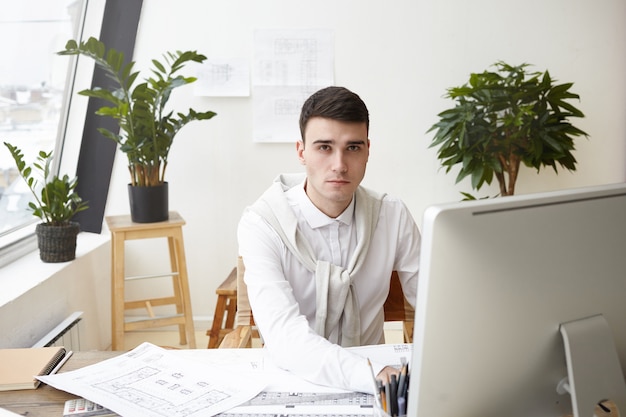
(287, 334)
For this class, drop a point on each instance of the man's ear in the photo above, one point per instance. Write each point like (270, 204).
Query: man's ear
(300, 151)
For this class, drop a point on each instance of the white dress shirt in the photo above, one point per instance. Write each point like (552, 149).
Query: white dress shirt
(282, 291)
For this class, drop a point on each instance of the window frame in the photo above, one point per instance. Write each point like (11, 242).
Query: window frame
(75, 148)
(22, 240)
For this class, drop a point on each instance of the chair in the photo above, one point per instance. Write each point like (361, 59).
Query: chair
(396, 308)
(232, 311)
(225, 310)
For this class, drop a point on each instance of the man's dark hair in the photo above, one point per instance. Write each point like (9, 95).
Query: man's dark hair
(337, 103)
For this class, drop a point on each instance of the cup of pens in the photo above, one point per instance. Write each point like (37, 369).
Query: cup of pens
(379, 412)
(391, 396)
(391, 399)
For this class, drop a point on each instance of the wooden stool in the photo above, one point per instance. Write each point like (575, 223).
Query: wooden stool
(226, 306)
(122, 229)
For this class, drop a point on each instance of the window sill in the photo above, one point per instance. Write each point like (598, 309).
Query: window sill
(27, 272)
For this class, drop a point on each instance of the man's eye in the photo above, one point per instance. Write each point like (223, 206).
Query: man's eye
(324, 147)
(354, 148)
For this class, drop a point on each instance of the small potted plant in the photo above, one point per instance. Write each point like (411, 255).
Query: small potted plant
(147, 127)
(56, 203)
(503, 119)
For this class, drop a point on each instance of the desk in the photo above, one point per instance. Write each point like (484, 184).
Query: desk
(46, 401)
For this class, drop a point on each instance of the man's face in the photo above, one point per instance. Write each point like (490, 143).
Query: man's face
(335, 157)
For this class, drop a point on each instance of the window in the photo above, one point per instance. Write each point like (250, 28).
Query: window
(34, 92)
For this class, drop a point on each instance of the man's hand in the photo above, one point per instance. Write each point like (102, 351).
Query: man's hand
(385, 374)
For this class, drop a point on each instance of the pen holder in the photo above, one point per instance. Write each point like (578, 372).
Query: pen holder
(379, 412)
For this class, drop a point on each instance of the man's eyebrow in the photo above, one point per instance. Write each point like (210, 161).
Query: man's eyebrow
(331, 141)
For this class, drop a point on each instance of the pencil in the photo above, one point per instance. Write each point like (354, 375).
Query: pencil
(381, 391)
(387, 407)
(376, 389)
(402, 381)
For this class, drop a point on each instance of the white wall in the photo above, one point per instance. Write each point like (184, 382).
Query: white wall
(400, 57)
(37, 296)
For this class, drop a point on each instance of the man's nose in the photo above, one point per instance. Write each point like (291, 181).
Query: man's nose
(339, 162)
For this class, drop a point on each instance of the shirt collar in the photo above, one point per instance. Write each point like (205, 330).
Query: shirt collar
(313, 216)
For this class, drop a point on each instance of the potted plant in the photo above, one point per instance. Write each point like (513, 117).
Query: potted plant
(505, 118)
(147, 127)
(56, 203)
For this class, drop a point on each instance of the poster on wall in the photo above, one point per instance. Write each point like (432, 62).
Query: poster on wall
(289, 65)
(227, 77)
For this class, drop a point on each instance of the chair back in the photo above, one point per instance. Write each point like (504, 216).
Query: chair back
(397, 308)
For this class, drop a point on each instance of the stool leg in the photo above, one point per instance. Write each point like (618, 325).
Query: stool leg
(117, 290)
(218, 318)
(178, 256)
(176, 283)
(231, 311)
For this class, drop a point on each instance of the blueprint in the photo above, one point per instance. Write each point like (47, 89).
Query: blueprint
(151, 381)
(154, 382)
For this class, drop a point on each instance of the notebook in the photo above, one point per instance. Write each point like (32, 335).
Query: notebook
(19, 367)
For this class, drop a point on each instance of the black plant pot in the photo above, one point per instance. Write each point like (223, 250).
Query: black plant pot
(57, 243)
(148, 204)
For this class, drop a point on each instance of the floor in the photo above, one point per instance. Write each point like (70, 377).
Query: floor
(393, 334)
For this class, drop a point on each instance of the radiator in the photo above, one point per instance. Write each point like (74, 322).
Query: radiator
(66, 333)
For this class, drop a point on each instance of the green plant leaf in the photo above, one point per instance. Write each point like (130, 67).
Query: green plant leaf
(56, 202)
(510, 114)
(147, 127)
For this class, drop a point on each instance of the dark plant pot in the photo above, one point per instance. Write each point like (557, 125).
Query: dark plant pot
(57, 243)
(148, 204)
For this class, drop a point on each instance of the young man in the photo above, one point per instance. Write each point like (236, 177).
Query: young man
(319, 250)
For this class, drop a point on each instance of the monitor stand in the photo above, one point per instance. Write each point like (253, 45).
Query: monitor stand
(593, 366)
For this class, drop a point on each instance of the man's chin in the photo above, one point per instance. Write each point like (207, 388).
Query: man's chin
(340, 197)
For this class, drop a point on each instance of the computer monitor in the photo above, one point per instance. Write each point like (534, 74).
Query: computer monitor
(499, 279)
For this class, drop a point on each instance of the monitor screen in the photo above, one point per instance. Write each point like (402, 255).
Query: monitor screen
(498, 279)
